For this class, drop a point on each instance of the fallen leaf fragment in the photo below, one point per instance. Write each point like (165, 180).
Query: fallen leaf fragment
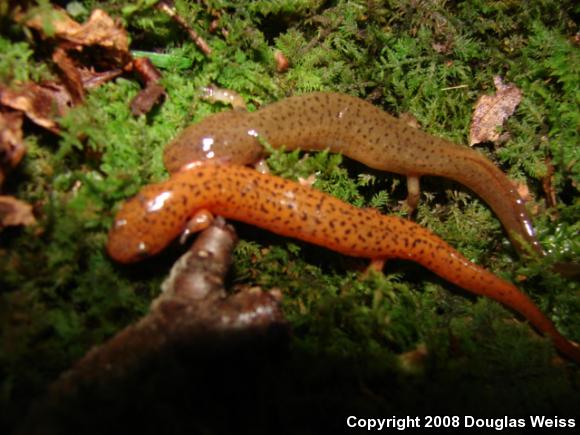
(12, 147)
(42, 103)
(409, 120)
(92, 79)
(548, 185)
(14, 212)
(491, 111)
(100, 29)
(524, 191)
(71, 76)
(153, 90)
(414, 361)
(282, 63)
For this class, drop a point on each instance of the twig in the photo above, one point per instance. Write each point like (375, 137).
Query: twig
(168, 8)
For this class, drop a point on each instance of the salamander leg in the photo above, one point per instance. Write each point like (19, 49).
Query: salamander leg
(413, 193)
(375, 265)
(199, 221)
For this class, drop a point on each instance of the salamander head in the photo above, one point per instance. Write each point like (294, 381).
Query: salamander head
(143, 227)
(223, 134)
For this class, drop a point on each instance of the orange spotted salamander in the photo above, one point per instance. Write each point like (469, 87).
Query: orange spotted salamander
(160, 212)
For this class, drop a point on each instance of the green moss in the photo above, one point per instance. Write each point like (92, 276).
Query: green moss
(60, 294)
(17, 64)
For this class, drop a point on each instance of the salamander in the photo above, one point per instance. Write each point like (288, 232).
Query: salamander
(360, 131)
(160, 212)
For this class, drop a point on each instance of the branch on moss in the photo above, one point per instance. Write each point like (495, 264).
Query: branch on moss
(192, 316)
(167, 8)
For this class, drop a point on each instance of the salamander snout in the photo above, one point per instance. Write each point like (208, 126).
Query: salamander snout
(226, 134)
(124, 245)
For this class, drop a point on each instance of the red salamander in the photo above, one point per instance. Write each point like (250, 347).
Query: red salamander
(160, 212)
(363, 132)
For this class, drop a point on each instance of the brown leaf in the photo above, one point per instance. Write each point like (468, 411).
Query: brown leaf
(524, 191)
(145, 99)
(526, 195)
(15, 212)
(12, 147)
(100, 29)
(491, 111)
(71, 76)
(153, 91)
(282, 63)
(42, 103)
(409, 120)
(92, 79)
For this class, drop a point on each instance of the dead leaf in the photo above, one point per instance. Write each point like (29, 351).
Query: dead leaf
(548, 185)
(526, 195)
(524, 191)
(92, 79)
(107, 45)
(42, 103)
(100, 29)
(14, 212)
(414, 360)
(491, 111)
(308, 181)
(71, 76)
(153, 91)
(146, 99)
(442, 47)
(12, 147)
(409, 120)
(282, 63)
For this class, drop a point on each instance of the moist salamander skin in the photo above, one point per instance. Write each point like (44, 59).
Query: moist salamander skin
(361, 131)
(160, 212)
